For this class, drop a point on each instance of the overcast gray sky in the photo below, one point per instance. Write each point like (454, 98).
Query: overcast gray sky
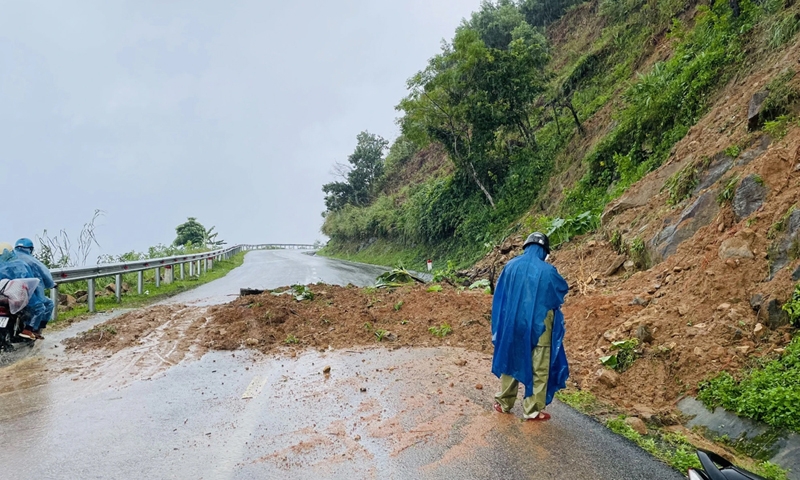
(229, 111)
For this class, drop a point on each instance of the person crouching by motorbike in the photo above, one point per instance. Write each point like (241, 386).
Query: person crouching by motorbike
(528, 330)
(13, 268)
(24, 250)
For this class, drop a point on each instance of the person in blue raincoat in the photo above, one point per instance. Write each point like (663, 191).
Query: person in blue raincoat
(24, 250)
(11, 268)
(528, 330)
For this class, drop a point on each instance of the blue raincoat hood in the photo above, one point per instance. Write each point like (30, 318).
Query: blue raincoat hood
(527, 289)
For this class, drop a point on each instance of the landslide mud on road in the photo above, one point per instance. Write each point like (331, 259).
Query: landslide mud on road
(337, 317)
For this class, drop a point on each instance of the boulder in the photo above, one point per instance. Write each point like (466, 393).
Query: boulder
(782, 250)
(615, 265)
(606, 377)
(67, 300)
(749, 196)
(644, 334)
(735, 248)
(772, 314)
(637, 425)
(694, 217)
(756, 105)
(796, 274)
(756, 301)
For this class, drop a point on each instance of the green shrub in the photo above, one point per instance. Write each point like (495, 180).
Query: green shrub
(625, 356)
(561, 230)
(638, 253)
(792, 307)
(440, 331)
(778, 128)
(681, 185)
(725, 196)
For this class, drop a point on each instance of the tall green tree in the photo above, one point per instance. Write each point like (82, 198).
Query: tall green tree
(471, 95)
(361, 176)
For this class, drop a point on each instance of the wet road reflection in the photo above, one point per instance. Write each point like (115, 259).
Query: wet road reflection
(378, 413)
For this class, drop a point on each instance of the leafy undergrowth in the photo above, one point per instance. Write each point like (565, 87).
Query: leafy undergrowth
(153, 294)
(767, 393)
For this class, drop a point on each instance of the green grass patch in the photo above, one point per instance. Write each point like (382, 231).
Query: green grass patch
(581, 400)
(769, 392)
(133, 300)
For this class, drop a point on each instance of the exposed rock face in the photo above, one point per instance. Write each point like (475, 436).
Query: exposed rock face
(783, 249)
(796, 274)
(693, 218)
(754, 119)
(719, 165)
(749, 196)
(755, 151)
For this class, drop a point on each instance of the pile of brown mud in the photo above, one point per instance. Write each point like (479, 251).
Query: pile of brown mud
(337, 317)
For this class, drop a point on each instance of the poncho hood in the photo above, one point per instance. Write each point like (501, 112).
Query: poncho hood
(527, 289)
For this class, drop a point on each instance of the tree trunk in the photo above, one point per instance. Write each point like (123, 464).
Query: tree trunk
(555, 116)
(480, 185)
(568, 104)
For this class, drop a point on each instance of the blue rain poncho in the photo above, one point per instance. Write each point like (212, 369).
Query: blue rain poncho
(11, 267)
(39, 270)
(527, 289)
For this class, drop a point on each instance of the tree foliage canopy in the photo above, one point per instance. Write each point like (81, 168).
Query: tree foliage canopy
(473, 95)
(361, 176)
(192, 232)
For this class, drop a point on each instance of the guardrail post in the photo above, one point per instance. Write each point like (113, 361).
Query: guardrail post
(158, 277)
(198, 268)
(191, 269)
(209, 264)
(168, 274)
(54, 298)
(205, 265)
(90, 295)
(181, 271)
(118, 288)
(140, 281)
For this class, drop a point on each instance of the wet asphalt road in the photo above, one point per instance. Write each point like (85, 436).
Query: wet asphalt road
(379, 413)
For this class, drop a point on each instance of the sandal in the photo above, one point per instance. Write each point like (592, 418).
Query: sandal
(498, 408)
(539, 417)
(27, 334)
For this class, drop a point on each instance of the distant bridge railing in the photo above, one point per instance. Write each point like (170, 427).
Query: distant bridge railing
(197, 263)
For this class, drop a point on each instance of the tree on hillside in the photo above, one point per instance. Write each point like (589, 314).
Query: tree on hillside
(471, 95)
(194, 233)
(361, 177)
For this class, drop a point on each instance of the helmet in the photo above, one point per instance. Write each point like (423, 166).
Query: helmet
(538, 239)
(25, 244)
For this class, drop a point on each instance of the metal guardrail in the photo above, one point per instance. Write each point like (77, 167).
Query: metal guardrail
(197, 262)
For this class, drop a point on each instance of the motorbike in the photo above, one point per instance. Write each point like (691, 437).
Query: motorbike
(14, 296)
(714, 467)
